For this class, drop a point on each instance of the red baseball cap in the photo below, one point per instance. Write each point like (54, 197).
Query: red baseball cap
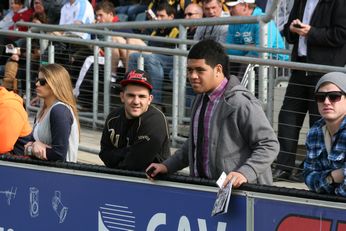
(138, 77)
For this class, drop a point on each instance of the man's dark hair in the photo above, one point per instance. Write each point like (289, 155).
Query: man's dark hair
(213, 53)
(20, 2)
(105, 6)
(168, 8)
(42, 17)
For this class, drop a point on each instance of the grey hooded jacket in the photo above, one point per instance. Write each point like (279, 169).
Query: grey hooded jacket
(241, 138)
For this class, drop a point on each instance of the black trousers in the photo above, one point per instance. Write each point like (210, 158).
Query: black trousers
(299, 99)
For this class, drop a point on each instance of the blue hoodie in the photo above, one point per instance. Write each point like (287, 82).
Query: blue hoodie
(248, 34)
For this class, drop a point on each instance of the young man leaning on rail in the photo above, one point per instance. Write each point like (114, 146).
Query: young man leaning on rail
(325, 164)
(229, 131)
(136, 134)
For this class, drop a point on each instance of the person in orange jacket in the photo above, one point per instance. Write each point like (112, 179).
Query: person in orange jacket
(14, 123)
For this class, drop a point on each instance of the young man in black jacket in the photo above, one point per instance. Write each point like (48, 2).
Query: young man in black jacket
(136, 134)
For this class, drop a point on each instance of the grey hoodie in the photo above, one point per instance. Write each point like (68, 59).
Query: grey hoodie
(241, 138)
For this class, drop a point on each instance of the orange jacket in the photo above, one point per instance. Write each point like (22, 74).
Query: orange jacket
(14, 121)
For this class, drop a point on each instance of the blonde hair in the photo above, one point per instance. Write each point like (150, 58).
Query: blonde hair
(59, 81)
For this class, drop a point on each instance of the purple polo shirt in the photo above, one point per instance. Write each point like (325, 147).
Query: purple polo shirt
(214, 99)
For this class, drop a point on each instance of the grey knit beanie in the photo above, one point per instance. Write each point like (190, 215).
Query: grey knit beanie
(337, 78)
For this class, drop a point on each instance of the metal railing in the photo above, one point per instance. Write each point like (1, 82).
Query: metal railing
(179, 53)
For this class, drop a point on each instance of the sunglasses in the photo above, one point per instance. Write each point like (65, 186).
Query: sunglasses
(333, 96)
(41, 81)
(189, 14)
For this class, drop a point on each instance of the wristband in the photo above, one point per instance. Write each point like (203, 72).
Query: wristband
(29, 151)
(330, 179)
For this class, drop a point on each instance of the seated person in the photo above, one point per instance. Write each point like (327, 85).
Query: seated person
(192, 11)
(55, 135)
(212, 9)
(73, 12)
(104, 14)
(324, 166)
(20, 13)
(7, 21)
(15, 127)
(177, 5)
(17, 60)
(157, 65)
(77, 12)
(248, 34)
(136, 134)
(131, 8)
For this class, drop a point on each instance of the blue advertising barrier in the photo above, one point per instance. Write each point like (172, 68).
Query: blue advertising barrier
(282, 215)
(48, 198)
(61, 199)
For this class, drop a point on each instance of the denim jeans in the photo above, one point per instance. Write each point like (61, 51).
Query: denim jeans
(131, 10)
(157, 66)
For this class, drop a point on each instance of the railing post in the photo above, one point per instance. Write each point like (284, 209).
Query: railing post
(96, 74)
(252, 77)
(263, 74)
(271, 88)
(140, 62)
(51, 54)
(28, 70)
(107, 78)
(181, 76)
(175, 101)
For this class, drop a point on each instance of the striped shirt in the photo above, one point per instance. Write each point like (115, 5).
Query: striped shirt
(214, 98)
(319, 163)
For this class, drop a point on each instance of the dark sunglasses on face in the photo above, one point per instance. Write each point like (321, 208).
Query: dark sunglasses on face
(189, 14)
(333, 96)
(41, 81)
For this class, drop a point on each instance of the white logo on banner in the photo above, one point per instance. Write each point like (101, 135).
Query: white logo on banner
(116, 217)
(183, 225)
(58, 207)
(34, 202)
(10, 194)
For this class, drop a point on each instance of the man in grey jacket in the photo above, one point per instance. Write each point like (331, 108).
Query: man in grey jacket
(236, 135)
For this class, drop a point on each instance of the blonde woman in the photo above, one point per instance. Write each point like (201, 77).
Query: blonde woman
(56, 131)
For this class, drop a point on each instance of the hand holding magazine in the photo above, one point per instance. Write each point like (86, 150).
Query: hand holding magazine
(223, 196)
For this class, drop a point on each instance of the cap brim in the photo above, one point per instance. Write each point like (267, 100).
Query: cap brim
(145, 84)
(237, 2)
(232, 3)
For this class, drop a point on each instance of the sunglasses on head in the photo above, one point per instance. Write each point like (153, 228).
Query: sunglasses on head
(333, 96)
(41, 81)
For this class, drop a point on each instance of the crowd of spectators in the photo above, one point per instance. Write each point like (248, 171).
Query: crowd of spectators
(301, 28)
(81, 12)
